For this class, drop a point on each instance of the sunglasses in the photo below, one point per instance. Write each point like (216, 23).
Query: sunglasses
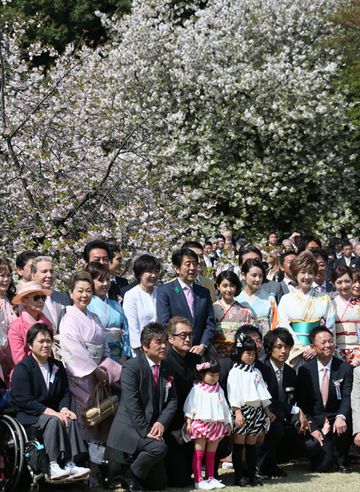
(183, 335)
(37, 297)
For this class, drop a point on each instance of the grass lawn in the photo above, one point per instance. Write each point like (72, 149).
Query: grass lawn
(299, 479)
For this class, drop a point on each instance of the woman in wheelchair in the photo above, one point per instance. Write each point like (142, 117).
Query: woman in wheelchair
(41, 398)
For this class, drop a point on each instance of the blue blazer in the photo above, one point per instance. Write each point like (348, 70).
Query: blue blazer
(29, 394)
(171, 301)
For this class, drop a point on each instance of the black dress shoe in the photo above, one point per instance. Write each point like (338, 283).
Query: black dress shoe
(242, 482)
(344, 469)
(132, 485)
(261, 475)
(277, 472)
(254, 482)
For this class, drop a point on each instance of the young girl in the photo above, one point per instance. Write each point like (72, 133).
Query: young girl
(208, 420)
(229, 314)
(250, 400)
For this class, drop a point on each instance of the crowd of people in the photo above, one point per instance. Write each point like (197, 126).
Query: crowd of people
(248, 355)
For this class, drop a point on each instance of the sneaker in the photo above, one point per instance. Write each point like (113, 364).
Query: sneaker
(204, 485)
(217, 484)
(56, 472)
(76, 471)
(226, 465)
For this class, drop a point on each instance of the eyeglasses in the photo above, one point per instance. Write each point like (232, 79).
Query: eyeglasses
(183, 335)
(37, 297)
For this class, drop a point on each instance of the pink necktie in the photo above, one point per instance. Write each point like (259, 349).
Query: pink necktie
(189, 299)
(156, 373)
(325, 386)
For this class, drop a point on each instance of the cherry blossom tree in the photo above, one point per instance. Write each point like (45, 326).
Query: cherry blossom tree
(195, 115)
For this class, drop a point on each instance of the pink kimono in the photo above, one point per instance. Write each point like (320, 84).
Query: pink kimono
(83, 346)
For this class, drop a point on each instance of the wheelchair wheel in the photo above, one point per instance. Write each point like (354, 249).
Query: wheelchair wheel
(12, 451)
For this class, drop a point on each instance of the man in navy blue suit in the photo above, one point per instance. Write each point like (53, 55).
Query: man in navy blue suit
(182, 297)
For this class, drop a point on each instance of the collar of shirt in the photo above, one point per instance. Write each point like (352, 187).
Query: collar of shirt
(321, 367)
(183, 284)
(151, 362)
(275, 367)
(323, 286)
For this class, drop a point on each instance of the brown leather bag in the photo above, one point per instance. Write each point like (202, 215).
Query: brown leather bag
(103, 409)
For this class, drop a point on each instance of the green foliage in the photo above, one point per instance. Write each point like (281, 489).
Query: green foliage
(59, 22)
(348, 40)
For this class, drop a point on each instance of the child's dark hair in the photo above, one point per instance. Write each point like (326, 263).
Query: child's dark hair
(242, 343)
(205, 365)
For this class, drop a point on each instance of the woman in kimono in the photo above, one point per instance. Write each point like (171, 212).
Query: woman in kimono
(110, 313)
(229, 314)
(85, 353)
(261, 303)
(303, 308)
(347, 315)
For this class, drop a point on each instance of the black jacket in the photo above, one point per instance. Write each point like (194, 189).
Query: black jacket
(29, 395)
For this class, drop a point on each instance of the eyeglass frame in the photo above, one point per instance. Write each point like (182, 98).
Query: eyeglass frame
(183, 335)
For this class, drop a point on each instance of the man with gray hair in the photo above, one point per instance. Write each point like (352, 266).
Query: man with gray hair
(42, 271)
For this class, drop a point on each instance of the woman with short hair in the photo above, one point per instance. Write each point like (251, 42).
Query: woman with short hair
(303, 308)
(140, 301)
(41, 398)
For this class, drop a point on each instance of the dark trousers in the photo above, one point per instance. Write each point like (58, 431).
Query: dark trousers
(266, 452)
(61, 443)
(283, 443)
(150, 453)
(332, 442)
(178, 462)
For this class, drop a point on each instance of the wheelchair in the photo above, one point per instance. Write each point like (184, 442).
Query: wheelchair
(16, 472)
(13, 445)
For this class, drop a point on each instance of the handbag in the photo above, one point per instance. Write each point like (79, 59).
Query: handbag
(103, 409)
(96, 452)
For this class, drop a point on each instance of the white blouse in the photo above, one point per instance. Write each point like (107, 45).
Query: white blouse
(140, 309)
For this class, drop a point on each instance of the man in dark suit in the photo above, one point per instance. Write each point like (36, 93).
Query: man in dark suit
(119, 284)
(288, 436)
(147, 406)
(321, 282)
(182, 363)
(285, 261)
(347, 258)
(183, 297)
(324, 389)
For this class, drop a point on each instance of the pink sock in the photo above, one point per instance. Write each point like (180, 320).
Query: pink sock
(210, 463)
(196, 464)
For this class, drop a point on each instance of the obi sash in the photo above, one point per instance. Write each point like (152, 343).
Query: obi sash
(302, 330)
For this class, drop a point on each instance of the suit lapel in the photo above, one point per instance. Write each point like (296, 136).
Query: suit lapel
(179, 291)
(334, 375)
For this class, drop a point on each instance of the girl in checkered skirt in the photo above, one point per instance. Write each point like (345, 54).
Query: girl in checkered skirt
(249, 400)
(208, 420)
